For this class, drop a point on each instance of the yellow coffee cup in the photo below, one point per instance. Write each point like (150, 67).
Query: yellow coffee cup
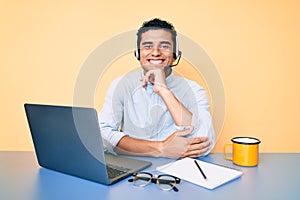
(245, 151)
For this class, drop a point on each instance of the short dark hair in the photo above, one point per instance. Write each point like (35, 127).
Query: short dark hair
(156, 24)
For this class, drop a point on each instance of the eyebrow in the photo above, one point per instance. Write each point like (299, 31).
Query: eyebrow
(165, 42)
(161, 42)
(144, 43)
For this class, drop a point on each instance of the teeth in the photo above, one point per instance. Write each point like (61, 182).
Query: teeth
(155, 62)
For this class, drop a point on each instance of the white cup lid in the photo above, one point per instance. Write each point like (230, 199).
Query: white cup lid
(245, 140)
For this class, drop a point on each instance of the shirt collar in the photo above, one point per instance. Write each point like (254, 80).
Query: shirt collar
(170, 77)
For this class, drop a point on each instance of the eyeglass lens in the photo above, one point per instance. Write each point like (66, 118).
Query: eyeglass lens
(142, 179)
(164, 182)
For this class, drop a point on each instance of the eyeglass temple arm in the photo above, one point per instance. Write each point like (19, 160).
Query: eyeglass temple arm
(154, 180)
(141, 178)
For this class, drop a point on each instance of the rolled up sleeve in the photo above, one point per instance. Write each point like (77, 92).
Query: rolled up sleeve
(110, 118)
(201, 119)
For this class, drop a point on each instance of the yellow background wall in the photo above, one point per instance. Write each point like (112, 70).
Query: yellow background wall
(255, 46)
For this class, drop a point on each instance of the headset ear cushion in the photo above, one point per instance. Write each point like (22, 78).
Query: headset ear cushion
(175, 55)
(136, 54)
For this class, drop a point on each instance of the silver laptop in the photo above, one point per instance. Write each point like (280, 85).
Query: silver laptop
(68, 140)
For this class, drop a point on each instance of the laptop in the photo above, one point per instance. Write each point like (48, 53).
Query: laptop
(68, 140)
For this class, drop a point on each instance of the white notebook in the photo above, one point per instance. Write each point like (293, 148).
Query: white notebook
(187, 169)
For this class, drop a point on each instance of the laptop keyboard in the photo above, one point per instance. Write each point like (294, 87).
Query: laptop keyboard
(114, 171)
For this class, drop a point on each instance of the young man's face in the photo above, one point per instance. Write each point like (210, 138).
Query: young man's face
(156, 49)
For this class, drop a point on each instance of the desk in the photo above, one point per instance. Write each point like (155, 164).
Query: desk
(276, 177)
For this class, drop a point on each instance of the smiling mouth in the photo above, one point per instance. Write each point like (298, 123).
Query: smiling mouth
(156, 61)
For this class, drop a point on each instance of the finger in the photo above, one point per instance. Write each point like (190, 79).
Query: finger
(147, 78)
(151, 78)
(197, 150)
(197, 140)
(196, 153)
(198, 146)
(144, 82)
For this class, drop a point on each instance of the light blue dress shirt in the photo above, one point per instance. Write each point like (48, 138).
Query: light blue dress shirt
(138, 112)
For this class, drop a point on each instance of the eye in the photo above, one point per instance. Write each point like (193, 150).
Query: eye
(165, 46)
(147, 46)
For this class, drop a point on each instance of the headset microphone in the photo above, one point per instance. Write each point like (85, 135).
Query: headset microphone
(178, 59)
(179, 56)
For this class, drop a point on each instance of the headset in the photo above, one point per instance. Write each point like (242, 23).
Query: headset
(176, 54)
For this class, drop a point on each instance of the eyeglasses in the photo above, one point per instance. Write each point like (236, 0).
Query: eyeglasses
(163, 181)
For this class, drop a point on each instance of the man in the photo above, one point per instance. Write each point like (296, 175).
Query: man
(153, 112)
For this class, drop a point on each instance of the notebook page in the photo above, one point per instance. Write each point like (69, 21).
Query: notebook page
(186, 169)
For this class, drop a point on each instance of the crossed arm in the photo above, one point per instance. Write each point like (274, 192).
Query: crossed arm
(176, 145)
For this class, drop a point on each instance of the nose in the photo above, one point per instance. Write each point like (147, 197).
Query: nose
(156, 51)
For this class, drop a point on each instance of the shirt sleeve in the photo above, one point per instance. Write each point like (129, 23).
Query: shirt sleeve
(201, 119)
(110, 118)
